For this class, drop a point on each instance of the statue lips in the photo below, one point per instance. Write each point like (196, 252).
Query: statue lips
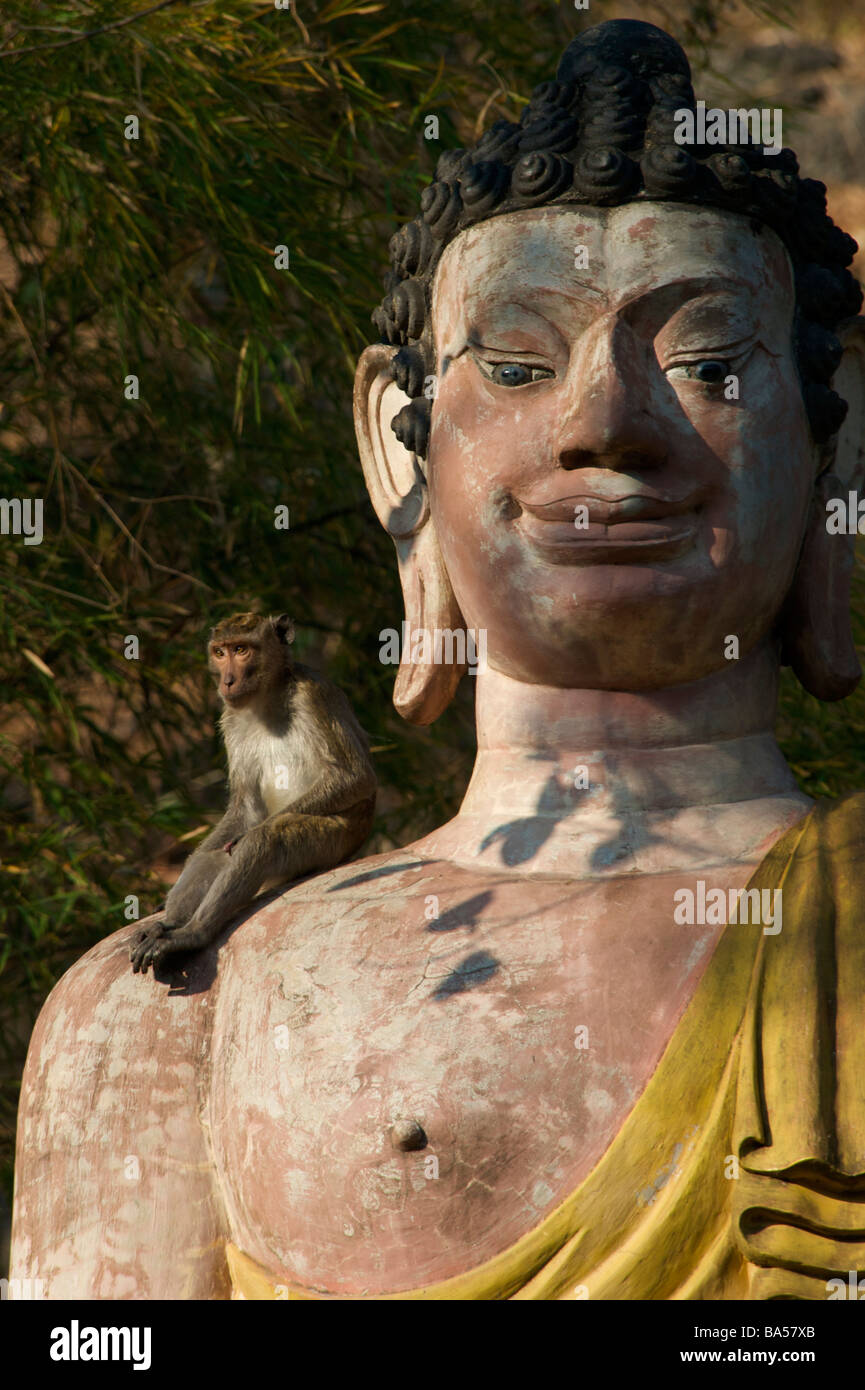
(633, 527)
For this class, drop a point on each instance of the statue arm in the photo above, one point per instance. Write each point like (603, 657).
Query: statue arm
(114, 1193)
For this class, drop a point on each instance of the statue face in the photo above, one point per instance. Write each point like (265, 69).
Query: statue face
(619, 466)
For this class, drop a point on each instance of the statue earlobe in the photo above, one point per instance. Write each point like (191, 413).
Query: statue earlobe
(397, 488)
(817, 639)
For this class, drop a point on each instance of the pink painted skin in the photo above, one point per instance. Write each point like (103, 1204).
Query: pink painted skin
(444, 983)
(622, 416)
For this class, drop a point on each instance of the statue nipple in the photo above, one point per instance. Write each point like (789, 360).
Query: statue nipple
(408, 1135)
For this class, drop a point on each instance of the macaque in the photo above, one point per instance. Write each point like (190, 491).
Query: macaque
(302, 787)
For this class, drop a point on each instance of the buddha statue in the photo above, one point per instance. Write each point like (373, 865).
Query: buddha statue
(617, 382)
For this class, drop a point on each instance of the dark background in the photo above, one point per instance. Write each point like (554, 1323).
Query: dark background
(155, 257)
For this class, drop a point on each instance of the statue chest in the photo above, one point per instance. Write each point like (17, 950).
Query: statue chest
(405, 1083)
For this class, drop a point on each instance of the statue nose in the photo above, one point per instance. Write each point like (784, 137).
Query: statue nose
(610, 421)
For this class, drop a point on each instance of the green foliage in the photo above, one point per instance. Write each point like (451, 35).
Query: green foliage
(155, 257)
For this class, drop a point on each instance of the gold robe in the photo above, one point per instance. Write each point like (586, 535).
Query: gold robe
(740, 1171)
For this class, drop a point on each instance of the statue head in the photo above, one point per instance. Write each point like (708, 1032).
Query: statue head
(617, 382)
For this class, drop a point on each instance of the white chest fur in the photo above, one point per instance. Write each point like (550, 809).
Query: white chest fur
(279, 767)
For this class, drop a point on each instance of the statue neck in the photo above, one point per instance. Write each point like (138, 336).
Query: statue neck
(598, 782)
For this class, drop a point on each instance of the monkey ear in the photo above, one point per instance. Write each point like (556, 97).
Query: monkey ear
(284, 628)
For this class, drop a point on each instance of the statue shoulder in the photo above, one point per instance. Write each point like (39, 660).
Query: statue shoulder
(85, 1006)
(109, 1123)
(99, 1001)
(351, 901)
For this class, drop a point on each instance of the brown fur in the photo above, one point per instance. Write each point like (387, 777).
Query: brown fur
(302, 787)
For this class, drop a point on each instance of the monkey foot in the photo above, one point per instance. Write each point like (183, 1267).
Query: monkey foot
(151, 946)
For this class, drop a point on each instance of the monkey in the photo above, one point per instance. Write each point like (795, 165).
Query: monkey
(302, 787)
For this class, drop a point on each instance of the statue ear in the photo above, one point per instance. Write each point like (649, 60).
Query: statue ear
(817, 638)
(394, 477)
(397, 488)
(848, 452)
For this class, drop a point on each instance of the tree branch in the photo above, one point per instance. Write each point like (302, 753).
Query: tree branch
(85, 33)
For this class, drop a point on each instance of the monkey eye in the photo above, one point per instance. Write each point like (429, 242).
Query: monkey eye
(217, 651)
(240, 649)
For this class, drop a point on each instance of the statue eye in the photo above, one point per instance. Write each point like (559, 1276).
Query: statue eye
(516, 373)
(711, 370)
(511, 374)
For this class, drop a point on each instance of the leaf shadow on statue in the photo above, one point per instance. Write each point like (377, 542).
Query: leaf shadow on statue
(383, 871)
(521, 838)
(462, 915)
(475, 970)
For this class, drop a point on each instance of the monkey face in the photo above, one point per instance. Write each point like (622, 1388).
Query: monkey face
(248, 657)
(235, 662)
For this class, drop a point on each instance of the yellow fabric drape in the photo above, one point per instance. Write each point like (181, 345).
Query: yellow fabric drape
(740, 1171)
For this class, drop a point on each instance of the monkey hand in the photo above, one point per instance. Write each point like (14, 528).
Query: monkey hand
(151, 946)
(154, 944)
(148, 947)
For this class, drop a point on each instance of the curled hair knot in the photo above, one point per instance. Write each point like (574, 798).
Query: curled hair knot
(539, 177)
(386, 324)
(553, 131)
(409, 308)
(408, 368)
(620, 129)
(411, 247)
(451, 164)
(604, 174)
(412, 426)
(553, 94)
(668, 171)
(500, 142)
(441, 207)
(610, 80)
(731, 171)
(483, 185)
